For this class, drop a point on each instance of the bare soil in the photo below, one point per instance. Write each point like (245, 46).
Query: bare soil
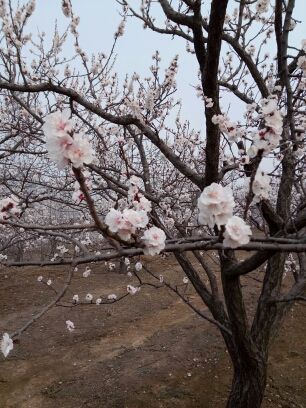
(148, 350)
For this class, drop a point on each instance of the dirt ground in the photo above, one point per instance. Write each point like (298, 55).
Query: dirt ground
(148, 350)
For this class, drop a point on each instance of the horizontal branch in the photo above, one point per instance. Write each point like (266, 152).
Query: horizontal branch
(265, 249)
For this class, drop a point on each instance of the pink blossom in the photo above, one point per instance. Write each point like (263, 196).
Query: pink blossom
(216, 205)
(154, 239)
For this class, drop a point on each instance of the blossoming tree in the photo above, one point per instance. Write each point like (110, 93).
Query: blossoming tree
(137, 179)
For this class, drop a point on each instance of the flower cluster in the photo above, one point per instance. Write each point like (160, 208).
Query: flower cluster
(262, 6)
(132, 290)
(70, 325)
(63, 143)
(9, 208)
(154, 239)
(237, 232)
(136, 198)
(216, 205)
(126, 222)
(267, 139)
(66, 8)
(232, 131)
(261, 186)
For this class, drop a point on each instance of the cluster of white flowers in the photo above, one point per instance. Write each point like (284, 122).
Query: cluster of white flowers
(138, 266)
(132, 290)
(237, 232)
(9, 208)
(6, 344)
(232, 130)
(70, 325)
(170, 74)
(251, 50)
(154, 239)
(268, 138)
(62, 250)
(126, 222)
(261, 186)
(66, 8)
(216, 204)
(63, 144)
(262, 6)
(136, 198)
(3, 258)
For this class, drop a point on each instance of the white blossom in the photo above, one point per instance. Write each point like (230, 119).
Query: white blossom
(125, 223)
(301, 62)
(262, 6)
(132, 290)
(215, 205)
(70, 325)
(87, 272)
(261, 186)
(6, 344)
(237, 232)
(9, 207)
(3, 257)
(63, 144)
(58, 124)
(154, 239)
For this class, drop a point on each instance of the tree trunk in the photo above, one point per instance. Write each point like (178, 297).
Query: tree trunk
(248, 386)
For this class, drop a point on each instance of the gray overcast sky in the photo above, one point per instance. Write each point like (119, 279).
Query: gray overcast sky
(99, 21)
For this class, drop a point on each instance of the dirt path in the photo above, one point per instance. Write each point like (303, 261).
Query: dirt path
(149, 350)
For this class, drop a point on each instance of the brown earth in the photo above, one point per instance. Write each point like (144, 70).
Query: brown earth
(148, 350)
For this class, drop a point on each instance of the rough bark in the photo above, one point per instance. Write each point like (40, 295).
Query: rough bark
(248, 385)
